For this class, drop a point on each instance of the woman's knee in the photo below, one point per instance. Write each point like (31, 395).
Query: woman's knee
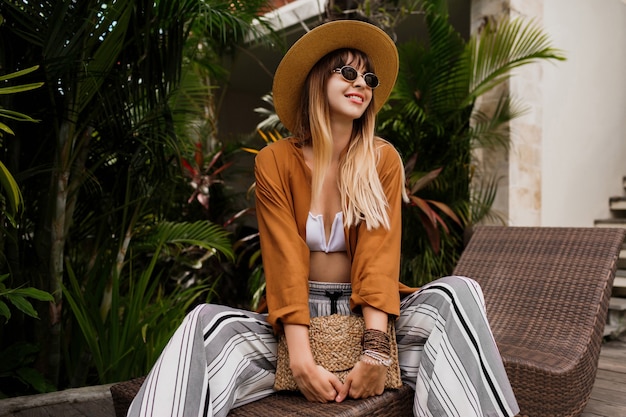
(463, 289)
(205, 315)
(447, 290)
(458, 284)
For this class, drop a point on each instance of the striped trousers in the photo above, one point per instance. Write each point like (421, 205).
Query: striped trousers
(221, 358)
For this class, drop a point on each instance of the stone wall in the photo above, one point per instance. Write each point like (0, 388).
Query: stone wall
(519, 193)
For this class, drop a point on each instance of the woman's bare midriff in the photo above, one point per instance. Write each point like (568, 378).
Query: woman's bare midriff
(330, 267)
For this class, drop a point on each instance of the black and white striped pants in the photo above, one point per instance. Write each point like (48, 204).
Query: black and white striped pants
(221, 358)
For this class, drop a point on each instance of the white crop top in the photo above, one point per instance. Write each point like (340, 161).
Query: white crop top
(316, 235)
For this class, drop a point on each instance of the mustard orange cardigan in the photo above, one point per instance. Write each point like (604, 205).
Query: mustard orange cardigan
(283, 200)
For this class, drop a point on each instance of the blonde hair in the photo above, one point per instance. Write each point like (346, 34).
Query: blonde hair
(362, 194)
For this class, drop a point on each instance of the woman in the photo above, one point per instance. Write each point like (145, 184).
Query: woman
(328, 206)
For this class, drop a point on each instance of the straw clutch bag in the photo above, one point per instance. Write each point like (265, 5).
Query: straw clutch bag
(336, 345)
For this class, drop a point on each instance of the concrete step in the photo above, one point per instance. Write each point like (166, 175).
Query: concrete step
(616, 222)
(619, 284)
(617, 203)
(617, 304)
(610, 330)
(620, 280)
(616, 320)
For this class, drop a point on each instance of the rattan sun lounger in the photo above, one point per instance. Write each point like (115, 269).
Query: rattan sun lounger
(547, 292)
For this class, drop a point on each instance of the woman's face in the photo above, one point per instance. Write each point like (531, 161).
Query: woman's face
(347, 100)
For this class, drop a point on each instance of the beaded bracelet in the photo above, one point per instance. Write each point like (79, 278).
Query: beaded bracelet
(376, 348)
(376, 340)
(376, 358)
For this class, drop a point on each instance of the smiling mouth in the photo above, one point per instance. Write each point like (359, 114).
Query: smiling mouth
(355, 97)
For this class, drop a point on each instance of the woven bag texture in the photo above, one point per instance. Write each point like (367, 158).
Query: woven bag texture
(336, 345)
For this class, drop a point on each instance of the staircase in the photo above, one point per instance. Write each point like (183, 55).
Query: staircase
(616, 321)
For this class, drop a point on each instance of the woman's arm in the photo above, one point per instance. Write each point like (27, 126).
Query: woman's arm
(367, 379)
(375, 253)
(375, 319)
(284, 252)
(375, 276)
(286, 265)
(316, 383)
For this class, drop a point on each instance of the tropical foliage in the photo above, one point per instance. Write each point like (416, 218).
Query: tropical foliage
(143, 303)
(433, 121)
(125, 215)
(17, 359)
(106, 226)
(11, 195)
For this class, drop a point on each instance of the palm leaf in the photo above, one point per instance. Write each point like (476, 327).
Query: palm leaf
(104, 49)
(491, 130)
(500, 48)
(449, 82)
(482, 197)
(204, 234)
(11, 190)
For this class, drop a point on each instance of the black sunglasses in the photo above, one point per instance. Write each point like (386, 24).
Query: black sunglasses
(350, 74)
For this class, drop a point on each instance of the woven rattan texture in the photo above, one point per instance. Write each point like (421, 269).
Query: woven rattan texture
(336, 345)
(547, 292)
(393, 403)
(123, 394)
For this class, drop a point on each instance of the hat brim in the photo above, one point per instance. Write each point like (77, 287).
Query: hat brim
(294, 68)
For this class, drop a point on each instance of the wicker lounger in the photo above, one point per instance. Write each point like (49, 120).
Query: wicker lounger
(393, 403)
(547, 292)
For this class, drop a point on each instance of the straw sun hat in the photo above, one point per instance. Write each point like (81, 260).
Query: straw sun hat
(301, 57)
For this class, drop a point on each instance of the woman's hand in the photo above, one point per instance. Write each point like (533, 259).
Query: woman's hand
(364, 380)
(316, 383)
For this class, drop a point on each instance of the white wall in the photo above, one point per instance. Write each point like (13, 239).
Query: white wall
(584, 111)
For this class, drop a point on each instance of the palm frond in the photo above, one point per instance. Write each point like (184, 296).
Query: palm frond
(228, 24)
(204, 234)
(490, 130)
(500, 48)
(105, 48)
(449, 81)
(12, 191)
(483, 195)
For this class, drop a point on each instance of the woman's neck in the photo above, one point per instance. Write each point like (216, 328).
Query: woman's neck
(341, 135)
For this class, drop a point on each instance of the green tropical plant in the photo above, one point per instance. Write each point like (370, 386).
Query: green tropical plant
(129, 91)
(10, 114)
(18, 372)
(16, 360)
(431, 116)
(12, 194)
(18, 297)
(125, 339)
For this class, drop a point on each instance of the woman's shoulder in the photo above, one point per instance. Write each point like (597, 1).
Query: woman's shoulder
(388, 153)
(282, 155)
(282, 146)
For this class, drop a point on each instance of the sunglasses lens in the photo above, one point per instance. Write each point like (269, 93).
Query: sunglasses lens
(349, 73)
(371, 80)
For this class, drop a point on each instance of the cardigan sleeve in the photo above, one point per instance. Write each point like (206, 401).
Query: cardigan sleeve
(376, 252)
(284, 252)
